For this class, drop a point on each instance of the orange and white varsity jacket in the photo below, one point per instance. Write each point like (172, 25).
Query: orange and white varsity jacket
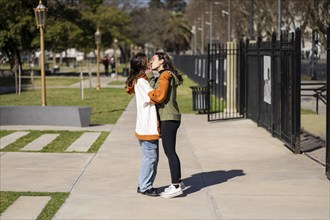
(146, 120)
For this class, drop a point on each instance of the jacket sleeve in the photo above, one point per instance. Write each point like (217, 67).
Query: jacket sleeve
(158, 95)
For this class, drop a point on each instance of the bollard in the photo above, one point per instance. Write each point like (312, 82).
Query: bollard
(19, 79)
(90, 80)
(32, 77)
(81, 86)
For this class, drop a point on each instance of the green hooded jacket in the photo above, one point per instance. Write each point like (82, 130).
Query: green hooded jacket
(168, 108)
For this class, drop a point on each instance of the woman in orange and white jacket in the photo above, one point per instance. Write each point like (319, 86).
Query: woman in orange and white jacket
(146, 129)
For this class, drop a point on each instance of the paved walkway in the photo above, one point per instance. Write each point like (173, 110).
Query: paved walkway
(234, 170)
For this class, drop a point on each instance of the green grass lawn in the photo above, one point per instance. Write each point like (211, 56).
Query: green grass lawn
(116, 82)
(57, 81)
(50, 81)
(59, 145)
(184, 96)
(107, 104)
(57, 199)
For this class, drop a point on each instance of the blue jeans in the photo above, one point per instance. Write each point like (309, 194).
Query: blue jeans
(149, 162)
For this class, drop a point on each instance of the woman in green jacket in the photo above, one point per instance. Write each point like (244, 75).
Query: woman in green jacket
(164, 96)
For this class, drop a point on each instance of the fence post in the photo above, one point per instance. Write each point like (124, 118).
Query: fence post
(231, 79)
(296, 93)
(208, 99)
(273, 44)
(241, 78)
(246, 73)
(260, 77)
(327, 167)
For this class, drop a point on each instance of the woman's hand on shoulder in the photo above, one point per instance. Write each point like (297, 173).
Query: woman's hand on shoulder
(166, 75)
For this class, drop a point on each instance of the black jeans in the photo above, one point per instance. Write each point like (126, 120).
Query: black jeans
(168, 131)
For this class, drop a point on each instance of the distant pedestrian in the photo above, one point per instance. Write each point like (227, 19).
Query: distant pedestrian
(164, 95)
(113, 65)
(146, 129)
(106, 63)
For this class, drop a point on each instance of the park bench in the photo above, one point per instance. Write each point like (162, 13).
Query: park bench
(315, 89)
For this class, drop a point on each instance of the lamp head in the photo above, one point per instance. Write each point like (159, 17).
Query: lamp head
(40, 13)
(97, 36)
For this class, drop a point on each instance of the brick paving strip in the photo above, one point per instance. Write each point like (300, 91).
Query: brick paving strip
(40, 142)
(84, 142)
(26, 207)
(11, 138)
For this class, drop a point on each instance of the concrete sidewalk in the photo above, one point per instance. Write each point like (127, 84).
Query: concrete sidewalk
(234, 170)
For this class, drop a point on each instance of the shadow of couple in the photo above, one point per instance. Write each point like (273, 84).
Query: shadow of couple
(198, 181)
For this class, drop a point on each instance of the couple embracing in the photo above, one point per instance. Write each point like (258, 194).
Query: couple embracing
(158, 116)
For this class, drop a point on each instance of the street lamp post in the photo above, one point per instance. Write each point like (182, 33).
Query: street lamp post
(279, 18)
(116, 56)
(228, 14)
(210, 24)
(202, 38)
(201, 29)
(229, 20)
(251, 19)
(40, 13)
(98, 42)
(195, 38)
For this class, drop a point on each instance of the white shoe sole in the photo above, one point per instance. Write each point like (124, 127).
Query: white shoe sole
(168, 196)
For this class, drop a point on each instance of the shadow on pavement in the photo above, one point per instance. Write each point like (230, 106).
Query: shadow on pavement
(202, 180)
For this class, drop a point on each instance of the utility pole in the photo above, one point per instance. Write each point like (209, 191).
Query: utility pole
(211, 24)
(279, 19)
(251, 19)
(202, 46)
(229, 22)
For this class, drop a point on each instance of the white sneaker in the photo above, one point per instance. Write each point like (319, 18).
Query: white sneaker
(181, 185)
(171, 192)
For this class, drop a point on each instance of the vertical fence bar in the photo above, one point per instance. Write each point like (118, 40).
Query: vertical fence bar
(259, 80)
(327, 167)
(208, 97)
(246, 74)
(223, 80)
(273, 95)
(234, 81)
(241, 85)
(228, 79)
(296, 93)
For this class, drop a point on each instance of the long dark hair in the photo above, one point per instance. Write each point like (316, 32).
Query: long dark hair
(139, 63)
(168, 64)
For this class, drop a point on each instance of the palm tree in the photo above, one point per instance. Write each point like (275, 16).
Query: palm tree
(177, 33)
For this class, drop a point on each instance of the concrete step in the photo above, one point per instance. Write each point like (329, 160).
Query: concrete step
(11, 138)
(40, 142)
(26, 207)
(84, 142)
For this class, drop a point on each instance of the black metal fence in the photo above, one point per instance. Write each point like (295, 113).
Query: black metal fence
(225, 83)
(193, 66)
(273, 87)
(264, 85)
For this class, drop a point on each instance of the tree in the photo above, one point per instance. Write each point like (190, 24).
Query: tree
(164, 30)
(177, 33)
(63, 26)
(148, 26)
(313, 14)
(156, 4)
(17, 29)
(114, 24)
(176, 5)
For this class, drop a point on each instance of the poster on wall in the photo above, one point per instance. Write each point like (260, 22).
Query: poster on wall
(267, 80)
